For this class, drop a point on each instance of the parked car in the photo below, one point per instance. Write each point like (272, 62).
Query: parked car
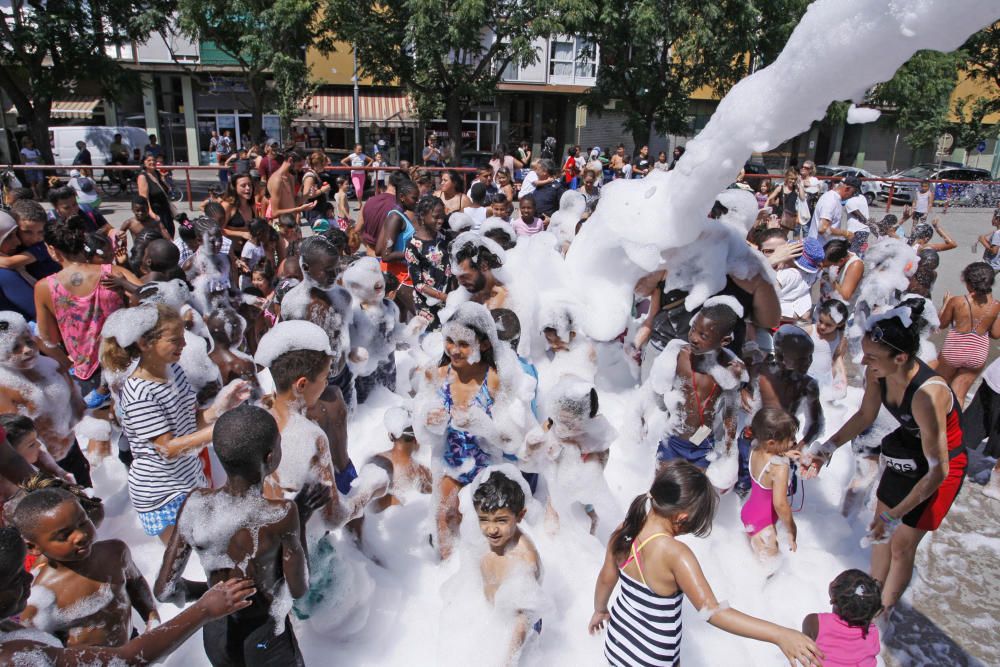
(869, 189)
(904, 192)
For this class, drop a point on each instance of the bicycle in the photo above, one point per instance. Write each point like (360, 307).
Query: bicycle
(115, 183)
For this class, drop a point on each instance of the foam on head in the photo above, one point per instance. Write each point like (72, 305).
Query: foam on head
(398, 420)
(364, 280)
(289, 335)
(174, 293)
(469, 318)
(460, 222)
(128, 325)
(12, 325)
(471, 244)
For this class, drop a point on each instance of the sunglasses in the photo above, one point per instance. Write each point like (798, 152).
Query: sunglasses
(877, 335)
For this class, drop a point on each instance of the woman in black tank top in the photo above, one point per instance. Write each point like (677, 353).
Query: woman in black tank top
(924, 458)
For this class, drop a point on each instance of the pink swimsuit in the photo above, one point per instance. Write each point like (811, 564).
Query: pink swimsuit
(844, 645)
(80, 321)
(758, 511)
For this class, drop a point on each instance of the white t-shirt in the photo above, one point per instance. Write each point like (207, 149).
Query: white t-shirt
(828, 207)
(528, 184)
(31, 155)
(357, 160)
(993, 261)
(857, 203)
(922, 202)
(793, 293)
(811, 185)
(478, 215)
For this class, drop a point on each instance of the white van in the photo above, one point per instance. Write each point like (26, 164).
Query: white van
(97, 137)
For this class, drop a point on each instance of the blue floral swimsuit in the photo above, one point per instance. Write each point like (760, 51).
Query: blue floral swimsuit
(462, 445)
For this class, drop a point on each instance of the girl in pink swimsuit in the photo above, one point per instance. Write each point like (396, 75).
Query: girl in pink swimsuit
(774, 438)
(847, 637)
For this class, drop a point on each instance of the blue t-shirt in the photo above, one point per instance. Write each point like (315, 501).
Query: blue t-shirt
(16, 294)
(44, 265)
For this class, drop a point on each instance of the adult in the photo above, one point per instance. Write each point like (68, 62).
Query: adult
(617, 161)
(358, 176)
(238, 204)
(476, 263)
(432, 155)
(842, 275)
(31, 218)
(811, 184)
(65, 206)
(33, 177)
(16, 291)
(391, 244)
(151, 185)
(642, 163)
(925, 459)
(678, 154)
(117, 151)
(377, 208)
(283, 185)
(153, 148)
(590, 189)
(83, 157)
(268, 163)
(786, 198)
(223, 149)
(451, 192)
(547, 195)
(314, 188)
(502, 159)
(524, 157)
(827, 217)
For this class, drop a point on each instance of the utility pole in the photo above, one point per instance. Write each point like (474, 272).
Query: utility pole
(357, 105)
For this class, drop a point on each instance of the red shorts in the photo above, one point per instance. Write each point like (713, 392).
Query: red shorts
(929, 514)
(398, 269)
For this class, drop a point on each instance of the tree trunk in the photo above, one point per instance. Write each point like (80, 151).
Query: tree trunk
(453, 114)
(640, 134)
(38, 128)
(258, 94)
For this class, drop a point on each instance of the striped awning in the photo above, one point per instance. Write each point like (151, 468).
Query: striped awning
(337, 109)
(75, 107)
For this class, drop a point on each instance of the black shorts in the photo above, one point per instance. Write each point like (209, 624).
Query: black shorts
(76, 463)
(237, 641)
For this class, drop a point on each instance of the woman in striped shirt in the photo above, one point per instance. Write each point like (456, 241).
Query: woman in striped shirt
(159, 412)
(644, 623)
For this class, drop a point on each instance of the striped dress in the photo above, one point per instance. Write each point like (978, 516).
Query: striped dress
(150, 409)
(645, 627)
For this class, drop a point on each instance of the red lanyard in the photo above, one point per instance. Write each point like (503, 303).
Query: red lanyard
(697, 399)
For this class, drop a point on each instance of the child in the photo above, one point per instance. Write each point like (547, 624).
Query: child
(527, 224)
(830, 320)
(847, 636)
(84, 591)
(645, 619)
(159, 412)
(509, 331)
(477, 209)
(923, 279)
(140, 221)
(991, 243)
(500, 232)
(774, 433)
(208, 268)
(342, 208)
(784, 381)
(160, 262)
(406, 474)
(238, 532)
(260, 250)
(19, 648)
(501, 207)
(426, 257)
(227, 329)
(971, 320)
(499, 503)
(570, 353)
(700, 378)
(23, 437)
(923, 202)
(97, 248)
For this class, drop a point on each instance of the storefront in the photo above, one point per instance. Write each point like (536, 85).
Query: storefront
(237, 122)
(480, 136)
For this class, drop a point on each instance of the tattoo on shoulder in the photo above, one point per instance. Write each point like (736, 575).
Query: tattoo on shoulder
(76, 279)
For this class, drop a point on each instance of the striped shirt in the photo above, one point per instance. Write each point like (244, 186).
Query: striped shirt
(645, 628)
(150, 409)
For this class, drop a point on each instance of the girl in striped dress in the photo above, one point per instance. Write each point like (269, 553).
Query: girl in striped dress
(159, 412)
(655, 572)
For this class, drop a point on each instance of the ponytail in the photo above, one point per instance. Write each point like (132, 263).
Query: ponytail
(625, 534)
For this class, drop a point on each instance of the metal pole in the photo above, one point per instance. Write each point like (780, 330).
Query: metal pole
(357, 122)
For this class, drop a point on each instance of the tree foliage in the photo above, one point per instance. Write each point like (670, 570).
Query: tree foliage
(47, 48)
(982, 61)
(266, 38)
(448, 54)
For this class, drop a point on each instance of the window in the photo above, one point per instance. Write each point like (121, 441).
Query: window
(561, 58)
(572, 58)
(586, 59)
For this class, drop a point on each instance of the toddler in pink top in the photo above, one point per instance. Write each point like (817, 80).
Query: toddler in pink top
(847, 637)
(527, 224)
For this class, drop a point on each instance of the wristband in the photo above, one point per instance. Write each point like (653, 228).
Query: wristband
(888, 519)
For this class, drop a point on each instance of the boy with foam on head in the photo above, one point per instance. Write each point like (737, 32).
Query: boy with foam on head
(238, 532)
(227, 327)
(406, 474)
(571, 352)
(499, 501)
(84, 591)
(695, 384)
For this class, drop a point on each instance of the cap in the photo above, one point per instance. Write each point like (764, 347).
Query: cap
(812, 256)
(74, 173)
(853, 182)
(7, 225)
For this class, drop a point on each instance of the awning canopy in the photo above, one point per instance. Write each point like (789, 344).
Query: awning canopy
(336, 109)
(71, 107)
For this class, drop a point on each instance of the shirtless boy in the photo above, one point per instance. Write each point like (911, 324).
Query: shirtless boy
(226, 328)
(499, 503)
(405, 473)
(84, 591)
(238, 532)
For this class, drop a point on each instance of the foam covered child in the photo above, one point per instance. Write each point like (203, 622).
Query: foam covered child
(227, 328)
(406, 475)
(237, 532)
(84, 590)
(571, 352)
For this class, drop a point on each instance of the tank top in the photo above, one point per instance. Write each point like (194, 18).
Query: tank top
(844, 645)
(901, 449)
(81, 319)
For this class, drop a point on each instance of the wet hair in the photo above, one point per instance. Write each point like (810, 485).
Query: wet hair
(114, 357)
(678, 488)
(36, 503)
(163, 255)
(477, 193)
(929, 258)
(295, 364)
(97, 245)
(426, 205)
(242, 438)
(897, 337)
(142, 241)
(723, 316)
(856, 598)
(391, 282)
(836, 250)
(57, 195)
(92, 505)
(12, 551)
(213, 211)
(478, 255)
(829, 306)
(66, 236)
(338, 237)
(225, 316)
(17, 426)
(502, 237)
(760, 234)
(885, 225)
(317, 247)
(205, 224)
(774, 424)
(508, 325)
(979, 277)
(499, 492)
(139, 200)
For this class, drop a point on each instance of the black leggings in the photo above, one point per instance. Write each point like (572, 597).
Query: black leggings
(76, 463)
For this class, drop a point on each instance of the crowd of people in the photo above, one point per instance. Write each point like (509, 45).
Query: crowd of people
(222, 361)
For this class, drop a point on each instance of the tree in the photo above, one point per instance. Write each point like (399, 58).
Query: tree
(266, 38)
(969, 128)
(447, 54)
(47, 47)
(982, 61)
(654, 54)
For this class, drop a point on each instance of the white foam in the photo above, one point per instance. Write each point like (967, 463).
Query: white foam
(289, 335)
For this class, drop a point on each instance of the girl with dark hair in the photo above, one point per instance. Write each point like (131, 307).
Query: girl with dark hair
(72, 305)
(925, 459)
(452, 192)
(427, 262)
(843, 271)
(847, 636)
(644, 623)
(238, 204)
(973, 320)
